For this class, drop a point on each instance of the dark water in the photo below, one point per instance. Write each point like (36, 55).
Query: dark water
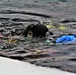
(37, 0)
(19, 14)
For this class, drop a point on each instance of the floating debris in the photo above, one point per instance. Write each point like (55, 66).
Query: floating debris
(62, 27)
(47, 41)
